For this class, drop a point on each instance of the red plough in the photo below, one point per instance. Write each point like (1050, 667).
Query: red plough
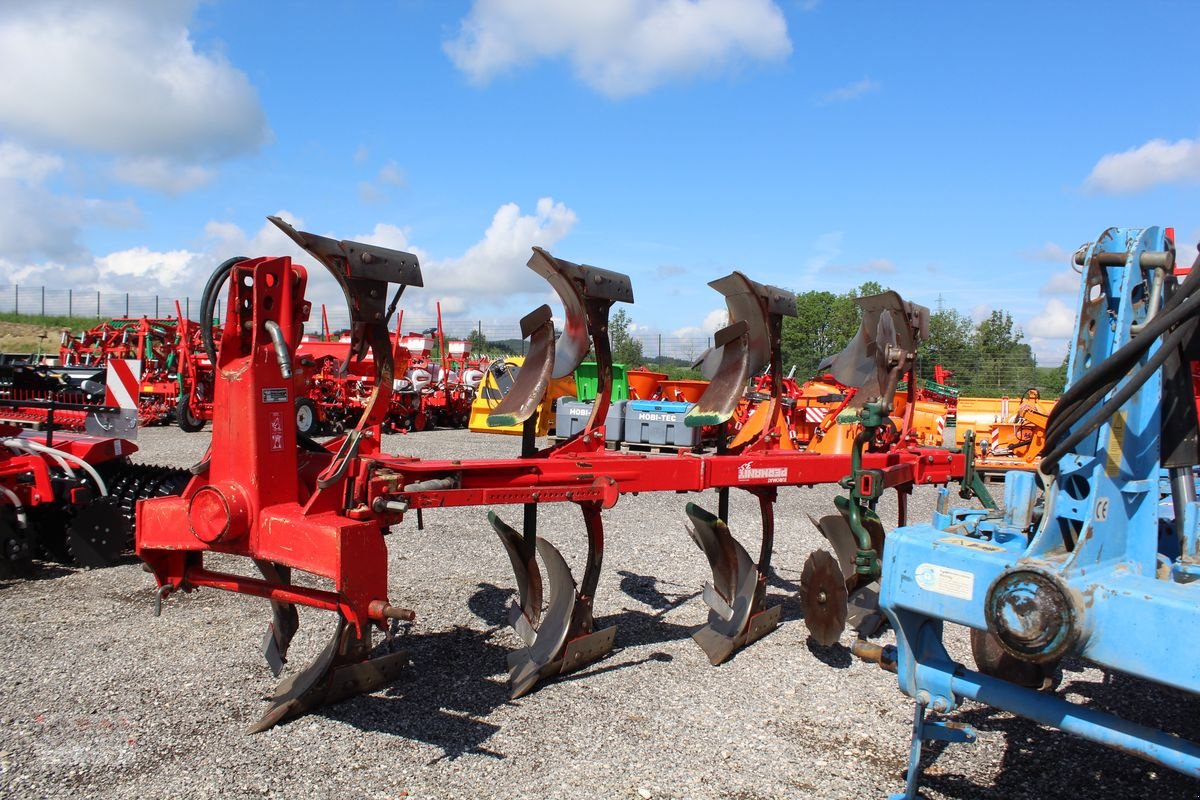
(330, 520)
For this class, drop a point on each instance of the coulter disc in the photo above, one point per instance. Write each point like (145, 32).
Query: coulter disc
(823, 596)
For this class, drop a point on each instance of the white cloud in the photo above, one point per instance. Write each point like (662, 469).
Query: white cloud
(1153, 163)
(121, 77)
(980, 312)
(37, 224)
(21, 164)
(391, 175)
(228, 239)
(1062, 282)
(372, 192)
(161, 174)
(1050, 251)
(143, 264)
(878, 265)
(853, 91)
(361, 154)
(623, 47)
(1055, 321)
(1048, 352)
(713, 321)
(663, 271)
(494, 268)
(825, 249)
(369, 194)
(489, 275)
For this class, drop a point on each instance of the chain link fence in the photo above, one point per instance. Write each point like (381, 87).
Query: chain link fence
(84, 308)
(976, 375)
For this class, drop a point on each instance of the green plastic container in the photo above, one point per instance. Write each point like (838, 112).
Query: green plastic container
(586, 379)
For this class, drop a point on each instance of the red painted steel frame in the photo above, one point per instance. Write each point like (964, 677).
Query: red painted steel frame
(260, 496)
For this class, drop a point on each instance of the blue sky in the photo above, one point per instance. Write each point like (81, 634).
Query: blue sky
(953, 151)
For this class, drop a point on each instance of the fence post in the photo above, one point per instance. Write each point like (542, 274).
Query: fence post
(70, 303)
(43, 301)
(17, 300)
(660, 347)
(187, 307)
(97, 305)
(156, 306)
(127, 304)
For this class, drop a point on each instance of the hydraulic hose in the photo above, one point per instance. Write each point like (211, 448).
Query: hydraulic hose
(50, 451)
(208, 303)
(15, 444)
(1093, 386)
(18, 507)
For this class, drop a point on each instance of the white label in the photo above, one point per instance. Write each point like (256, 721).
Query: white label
(944, 580)
(275, 395)
(645, 416)
(749, 472)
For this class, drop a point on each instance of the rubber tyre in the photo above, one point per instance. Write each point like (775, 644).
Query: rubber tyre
(188, 422)
(306, 417)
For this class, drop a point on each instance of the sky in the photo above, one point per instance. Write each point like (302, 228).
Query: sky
(956, 152)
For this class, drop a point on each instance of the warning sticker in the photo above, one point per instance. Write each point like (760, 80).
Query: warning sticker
(1116, 445)
(276, 429)
(275, 395)
(944, 580)
(971, 544)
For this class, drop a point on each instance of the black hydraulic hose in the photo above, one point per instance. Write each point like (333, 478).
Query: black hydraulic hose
(208, 303)
(1050, 461)
(1092, 387)
(1110, 371)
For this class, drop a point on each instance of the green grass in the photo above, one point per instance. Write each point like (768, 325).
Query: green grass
(48, 321)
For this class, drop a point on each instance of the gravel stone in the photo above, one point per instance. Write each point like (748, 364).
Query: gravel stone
(98, 698)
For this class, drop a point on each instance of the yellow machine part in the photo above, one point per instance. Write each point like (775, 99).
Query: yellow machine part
(981, 413)
(489, 394)
(1020, 444)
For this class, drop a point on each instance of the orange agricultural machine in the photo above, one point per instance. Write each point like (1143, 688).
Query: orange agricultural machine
(1008, 433)
(331, 519)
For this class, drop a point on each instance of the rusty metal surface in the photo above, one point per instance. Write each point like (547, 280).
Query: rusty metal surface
(527, 391)
(823, 596)
(575, 284)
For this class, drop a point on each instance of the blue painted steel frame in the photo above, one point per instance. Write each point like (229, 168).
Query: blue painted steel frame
(1098, 541)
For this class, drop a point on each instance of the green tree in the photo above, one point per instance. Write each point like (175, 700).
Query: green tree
(824, 325)
(1005, 362)
(479, 342)
(952, 343)
(625, 349)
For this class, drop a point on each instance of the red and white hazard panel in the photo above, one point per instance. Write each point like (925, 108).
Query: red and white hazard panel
(122, 383)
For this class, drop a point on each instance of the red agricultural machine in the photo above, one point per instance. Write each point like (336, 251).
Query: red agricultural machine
(333, 388)
(69, 496)
(154, 342)
(331, 518)
(436, 392)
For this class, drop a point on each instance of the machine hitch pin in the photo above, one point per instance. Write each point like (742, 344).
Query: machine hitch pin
(382, 610)
(381, 505)
(159, 594)
(884, 656)
(282, 355)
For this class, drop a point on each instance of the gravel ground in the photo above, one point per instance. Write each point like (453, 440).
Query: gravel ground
(100, 699)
